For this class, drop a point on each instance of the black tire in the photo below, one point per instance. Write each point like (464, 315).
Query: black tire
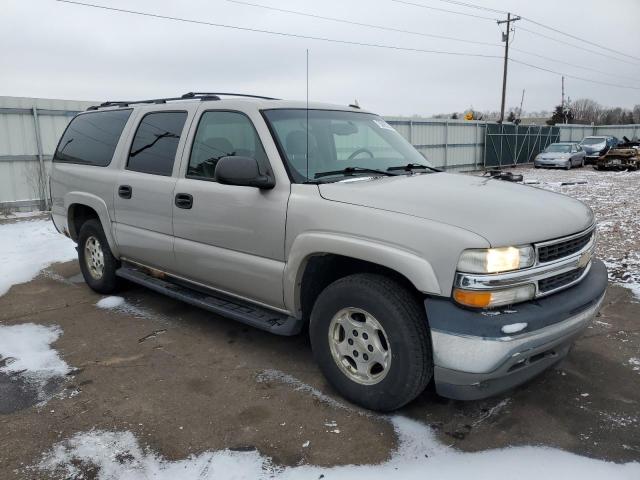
(107, 282)
(404, 321)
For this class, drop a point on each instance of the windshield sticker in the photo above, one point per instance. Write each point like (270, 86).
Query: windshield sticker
(383, 124)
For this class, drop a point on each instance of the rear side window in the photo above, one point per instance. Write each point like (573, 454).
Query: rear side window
(156, 142)
(91, 138)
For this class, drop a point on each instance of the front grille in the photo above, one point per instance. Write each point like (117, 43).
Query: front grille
(551, 283)
(549, 253)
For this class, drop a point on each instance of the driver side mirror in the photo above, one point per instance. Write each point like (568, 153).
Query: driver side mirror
(242, 171)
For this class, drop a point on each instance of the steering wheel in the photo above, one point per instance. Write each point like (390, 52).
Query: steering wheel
(359, 151)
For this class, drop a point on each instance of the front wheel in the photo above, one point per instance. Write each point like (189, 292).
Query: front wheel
(370, 338)
(97, 263)
(568, 165)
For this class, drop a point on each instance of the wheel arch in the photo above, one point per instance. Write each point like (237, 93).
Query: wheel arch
(325, 257)
(82, 206)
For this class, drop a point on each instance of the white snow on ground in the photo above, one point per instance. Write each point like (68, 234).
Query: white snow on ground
(120, 305)
(613, 196)
(110, 302)
(13, 215)
(28, 247)
(25, 349)
(118, 455)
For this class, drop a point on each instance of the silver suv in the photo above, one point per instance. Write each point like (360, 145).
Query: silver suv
(283, 215)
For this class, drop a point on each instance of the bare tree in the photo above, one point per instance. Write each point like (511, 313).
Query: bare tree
(586, 111)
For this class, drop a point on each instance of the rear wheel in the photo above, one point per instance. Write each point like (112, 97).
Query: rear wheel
(97, 263)
(370, 338)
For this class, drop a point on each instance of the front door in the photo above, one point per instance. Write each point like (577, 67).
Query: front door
(230, 238)
(145, 187)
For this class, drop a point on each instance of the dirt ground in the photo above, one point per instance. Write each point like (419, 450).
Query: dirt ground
(185, 381)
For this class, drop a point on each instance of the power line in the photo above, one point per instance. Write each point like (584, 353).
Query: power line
(480, 7)
(422, 34)
(420, 5)
(575, 65)
(578, 38)
(273, 32)
(595, 52)
(330, 40)
(575, 77)
(361, 24)
(472, 5)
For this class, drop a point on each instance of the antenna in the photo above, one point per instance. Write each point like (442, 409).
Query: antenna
(307, 112)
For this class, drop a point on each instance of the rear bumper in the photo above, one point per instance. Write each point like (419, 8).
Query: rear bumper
(473, 359)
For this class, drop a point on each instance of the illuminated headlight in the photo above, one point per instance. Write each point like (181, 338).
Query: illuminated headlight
(494, 298)
(494, 260)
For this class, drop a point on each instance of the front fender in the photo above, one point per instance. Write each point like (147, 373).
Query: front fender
(97, 204)
(415, 268)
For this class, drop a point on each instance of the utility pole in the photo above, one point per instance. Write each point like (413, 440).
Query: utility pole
(505, 38)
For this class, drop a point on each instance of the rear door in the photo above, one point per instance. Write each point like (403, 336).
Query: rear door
(230, 238)
(143, 196)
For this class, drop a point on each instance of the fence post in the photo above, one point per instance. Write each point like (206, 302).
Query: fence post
(475, 149)
(515, 147)
(42, 181)
(484, 147)
(446, 143)
(411, 132)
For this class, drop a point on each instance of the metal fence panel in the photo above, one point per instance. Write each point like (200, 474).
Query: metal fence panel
(575, 133)
(508, 144)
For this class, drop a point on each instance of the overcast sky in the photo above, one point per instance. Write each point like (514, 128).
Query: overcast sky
(58, 50)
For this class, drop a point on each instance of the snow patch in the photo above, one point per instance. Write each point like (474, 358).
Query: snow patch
(514, 328)
(25, 350)
(118, 455)
(110, 302)
(28, 247)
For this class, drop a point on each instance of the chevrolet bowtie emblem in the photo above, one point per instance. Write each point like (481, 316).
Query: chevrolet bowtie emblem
(584, 259)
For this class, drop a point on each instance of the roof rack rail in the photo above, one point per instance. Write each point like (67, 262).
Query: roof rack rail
(187, 96)
(215, 94)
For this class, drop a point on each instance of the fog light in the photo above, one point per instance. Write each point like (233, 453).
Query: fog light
(494, 298)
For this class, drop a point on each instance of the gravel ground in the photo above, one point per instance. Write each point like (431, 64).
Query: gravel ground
(615, 200)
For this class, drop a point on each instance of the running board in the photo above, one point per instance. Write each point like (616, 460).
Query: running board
(233, 308)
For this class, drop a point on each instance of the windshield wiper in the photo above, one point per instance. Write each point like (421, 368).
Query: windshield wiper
(409, 167)
(354, 170)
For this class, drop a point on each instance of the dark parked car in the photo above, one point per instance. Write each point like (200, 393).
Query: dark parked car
(595, 147)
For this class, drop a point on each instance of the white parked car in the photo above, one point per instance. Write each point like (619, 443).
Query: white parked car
(560, 155)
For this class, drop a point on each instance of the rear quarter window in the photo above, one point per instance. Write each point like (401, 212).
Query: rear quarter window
(155, 143)
(91, 138)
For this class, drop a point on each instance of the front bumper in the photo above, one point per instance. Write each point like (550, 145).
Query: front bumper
(550, 163)
(473, 359)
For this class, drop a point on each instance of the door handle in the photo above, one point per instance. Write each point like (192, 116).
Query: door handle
(125, 191)
(184, 200)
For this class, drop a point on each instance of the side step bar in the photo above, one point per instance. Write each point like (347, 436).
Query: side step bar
(241, 311)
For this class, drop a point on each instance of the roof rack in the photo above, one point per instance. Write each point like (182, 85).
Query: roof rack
(215, 94)
(202, 96)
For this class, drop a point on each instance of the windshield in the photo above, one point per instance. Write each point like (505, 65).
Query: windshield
(593, 140)
(338, 140)
(558, 148)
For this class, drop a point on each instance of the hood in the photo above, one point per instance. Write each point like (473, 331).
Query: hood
(594, 148)
(504, 213)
